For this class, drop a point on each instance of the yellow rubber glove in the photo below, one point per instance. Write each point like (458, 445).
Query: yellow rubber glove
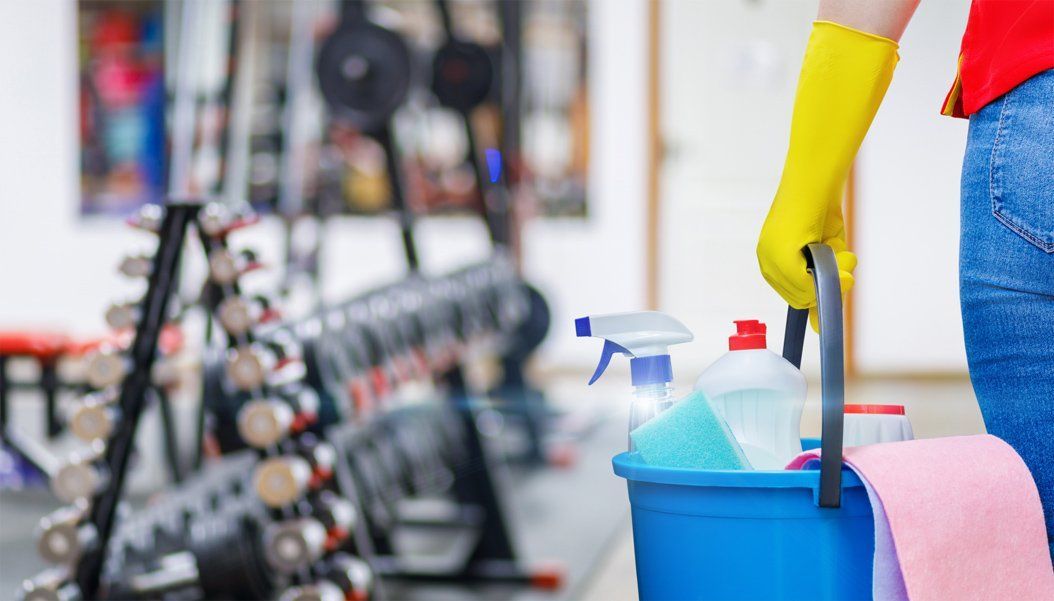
(843, 78)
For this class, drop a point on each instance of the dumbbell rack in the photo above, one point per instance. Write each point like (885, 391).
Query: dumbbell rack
(488, 554)
(366, 467)
(464, 77)
(388, 455)
(132, 397)
(83, 532)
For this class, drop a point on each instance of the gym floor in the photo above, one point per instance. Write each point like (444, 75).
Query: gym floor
(590, 536)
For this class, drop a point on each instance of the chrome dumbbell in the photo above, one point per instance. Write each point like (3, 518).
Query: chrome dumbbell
(107, 367)
(136, 266)
(294, 544)
(95, 416)
(214, 219)
(148, 218)
(238, 314)
(320, 454)
(225, 266)
(264, 422)
(280, 481)
(122, 316)
(50, 585)
(249, 366)
(288, 349)
(81, 476)
(352, 575)
(217, 220)
(323, 590)
(347, 578)
(336, 513)
(304, 401)
(63, 536)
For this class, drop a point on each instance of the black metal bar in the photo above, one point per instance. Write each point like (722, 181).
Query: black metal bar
(529, 403)
(444, 16)
(398, 195)
(352, 11)
(511, 101)
(476, 485)
(49, 383)
(4, 388)
(168, 427)
(132, 399)
(511, 81)
(491, 197)
(226, 93)
(201, 419)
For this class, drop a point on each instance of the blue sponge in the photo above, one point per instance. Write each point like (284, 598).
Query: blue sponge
(689, 435)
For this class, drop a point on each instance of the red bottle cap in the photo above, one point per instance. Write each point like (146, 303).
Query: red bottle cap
(750, 334)
(875, 409)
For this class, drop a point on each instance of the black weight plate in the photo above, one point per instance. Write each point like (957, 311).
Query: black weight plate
(231, 564)
(364, 74)
(530, 334)
(462, 75)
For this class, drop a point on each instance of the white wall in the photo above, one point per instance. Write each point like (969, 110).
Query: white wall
(56, 269)
(908, 208)
(730, 72)
(59, 270)
(597, 265)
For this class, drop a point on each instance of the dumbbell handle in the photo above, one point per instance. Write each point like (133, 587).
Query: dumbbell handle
(178, 570)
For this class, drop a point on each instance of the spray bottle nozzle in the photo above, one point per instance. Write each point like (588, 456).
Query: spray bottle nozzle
(582, 329)
(645, 336)
(610, 348)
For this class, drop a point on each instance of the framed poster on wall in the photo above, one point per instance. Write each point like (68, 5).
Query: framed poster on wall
(121, 105)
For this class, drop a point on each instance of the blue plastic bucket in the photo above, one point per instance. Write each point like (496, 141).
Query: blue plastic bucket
(701, 534)
(767, 535)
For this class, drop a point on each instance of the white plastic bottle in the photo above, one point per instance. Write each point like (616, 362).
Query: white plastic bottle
(760, 394)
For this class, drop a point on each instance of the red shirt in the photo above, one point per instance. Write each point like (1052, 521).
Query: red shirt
(1006, 42)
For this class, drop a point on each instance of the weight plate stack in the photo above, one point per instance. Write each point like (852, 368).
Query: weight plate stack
(364, 73)
(462, 75)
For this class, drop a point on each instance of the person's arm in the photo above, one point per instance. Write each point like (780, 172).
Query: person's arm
(885, 18)
(847, 68)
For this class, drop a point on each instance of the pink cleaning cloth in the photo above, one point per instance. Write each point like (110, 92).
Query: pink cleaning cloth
(955, 518)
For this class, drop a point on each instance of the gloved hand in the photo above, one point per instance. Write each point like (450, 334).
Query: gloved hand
(843, 78)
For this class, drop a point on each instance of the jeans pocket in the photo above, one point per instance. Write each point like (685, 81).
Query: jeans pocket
(1021, 176)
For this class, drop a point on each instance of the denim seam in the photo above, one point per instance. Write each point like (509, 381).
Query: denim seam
(995, 181)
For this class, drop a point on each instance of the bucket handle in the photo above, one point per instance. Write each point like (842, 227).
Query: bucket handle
(824, 269)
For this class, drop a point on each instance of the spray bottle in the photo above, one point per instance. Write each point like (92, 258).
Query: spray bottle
(645, 337)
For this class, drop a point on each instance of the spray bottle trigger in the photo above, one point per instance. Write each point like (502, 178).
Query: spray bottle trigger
(610, 348)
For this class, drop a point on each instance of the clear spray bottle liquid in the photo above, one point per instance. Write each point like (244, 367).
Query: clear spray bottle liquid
(649, 400)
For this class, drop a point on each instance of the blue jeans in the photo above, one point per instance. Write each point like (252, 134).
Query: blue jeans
(1006, 274)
